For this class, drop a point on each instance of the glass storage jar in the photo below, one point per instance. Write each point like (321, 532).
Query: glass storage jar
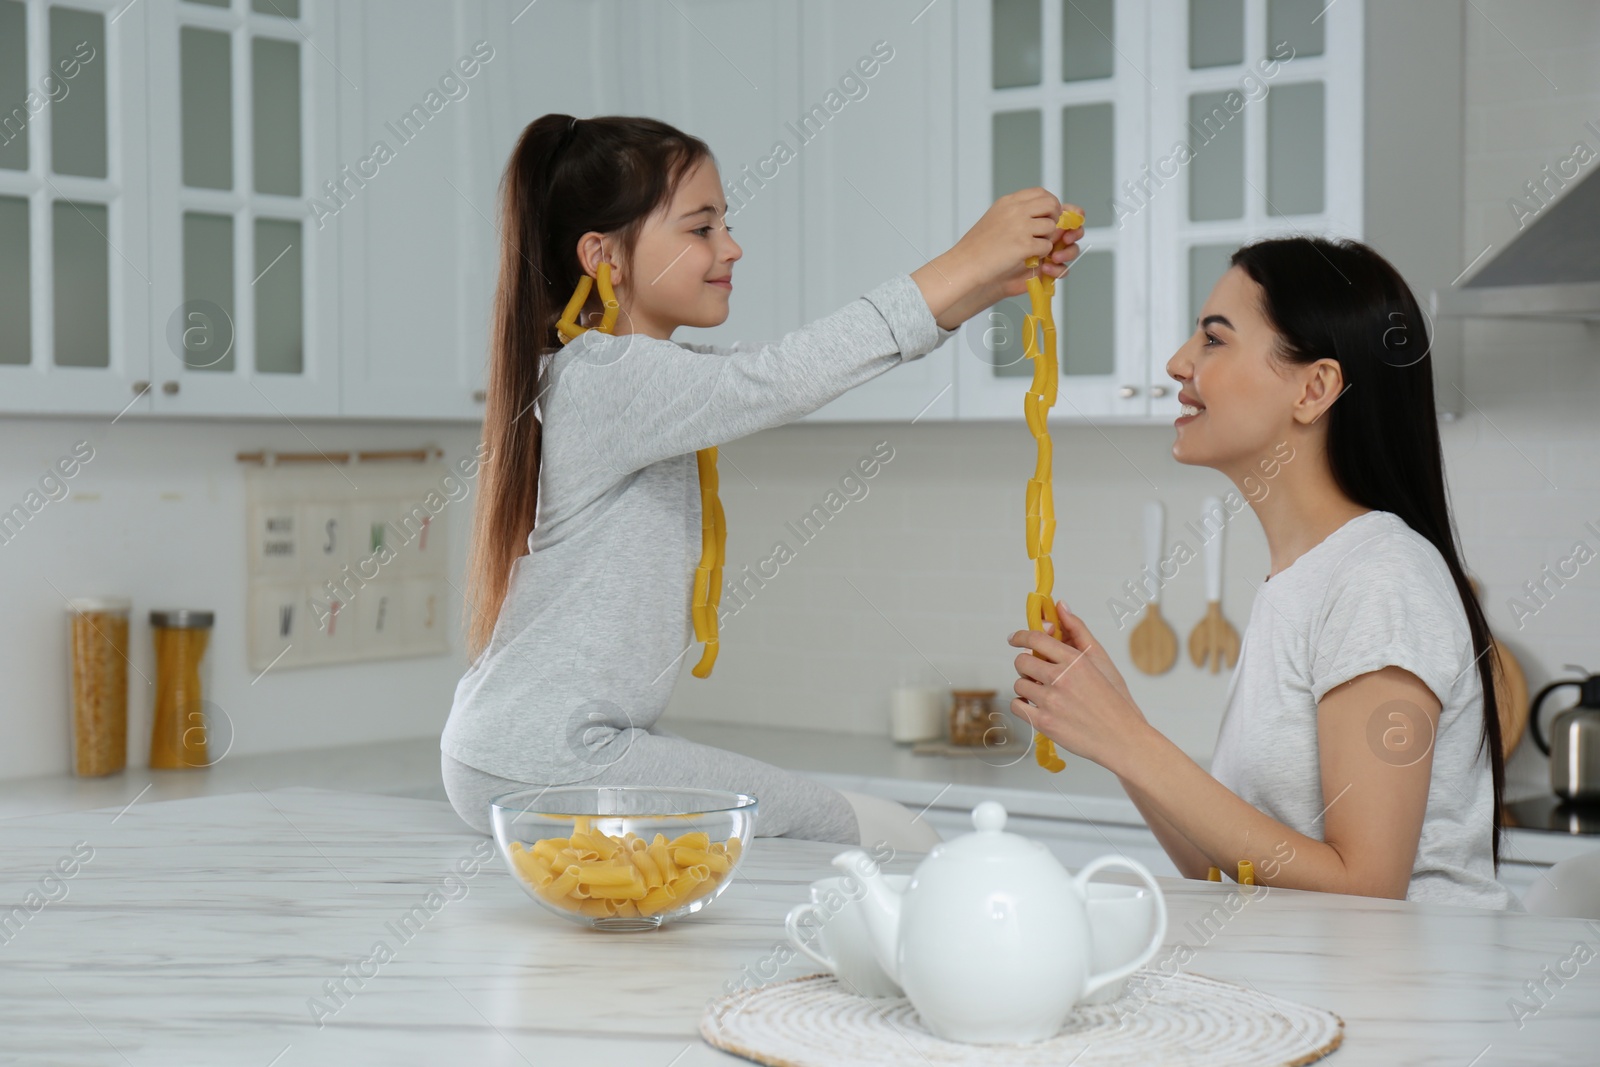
(973, 720)
(180, 637)
(99, 681)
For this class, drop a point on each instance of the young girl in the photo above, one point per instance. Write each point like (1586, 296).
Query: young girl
(1360, 748)
(588, 526)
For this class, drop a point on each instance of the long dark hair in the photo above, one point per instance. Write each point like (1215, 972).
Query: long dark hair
(1341, 300)
(566, 176)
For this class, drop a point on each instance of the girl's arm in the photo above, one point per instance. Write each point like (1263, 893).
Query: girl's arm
(1375, 792)
(643, 400)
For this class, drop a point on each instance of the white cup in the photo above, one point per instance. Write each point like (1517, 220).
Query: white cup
(1122, 919)
(917, 714)
(842, 943)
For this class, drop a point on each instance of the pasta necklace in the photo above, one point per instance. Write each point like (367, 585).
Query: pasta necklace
(713, 526)
(1041, 512)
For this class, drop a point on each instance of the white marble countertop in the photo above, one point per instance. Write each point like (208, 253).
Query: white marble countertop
(205, 930)
(862, 762)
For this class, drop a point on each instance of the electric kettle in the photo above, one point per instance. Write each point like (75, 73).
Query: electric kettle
(1574, 745)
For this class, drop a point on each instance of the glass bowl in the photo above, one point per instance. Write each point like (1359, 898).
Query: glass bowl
(622, 858)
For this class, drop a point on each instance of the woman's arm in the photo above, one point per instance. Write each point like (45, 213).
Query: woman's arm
(1190, 861)
(1375, 792)
(641, 400)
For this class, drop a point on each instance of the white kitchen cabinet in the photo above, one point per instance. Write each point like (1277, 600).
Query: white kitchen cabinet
(725, 71)
(417, 226)
(1267, 96)
(874, 133)
(244, 297)
(1184, 129)
(1073, 842)
(1056, 94)
(74, 241)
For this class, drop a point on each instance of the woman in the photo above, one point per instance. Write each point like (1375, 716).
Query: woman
(1360, 748)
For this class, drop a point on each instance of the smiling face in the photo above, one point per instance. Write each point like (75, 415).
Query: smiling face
(1249, 400)
(682, 268)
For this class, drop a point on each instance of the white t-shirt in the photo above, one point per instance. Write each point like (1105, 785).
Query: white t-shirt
(1373, 593)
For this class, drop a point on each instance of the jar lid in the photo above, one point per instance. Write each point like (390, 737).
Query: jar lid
(181, 618)
(973, 692)
(79, 605)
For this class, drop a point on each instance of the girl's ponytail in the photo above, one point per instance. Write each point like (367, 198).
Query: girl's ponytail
(566, 177)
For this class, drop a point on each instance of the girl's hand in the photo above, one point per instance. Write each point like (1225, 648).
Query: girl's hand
(989, 263)
(1073, 694)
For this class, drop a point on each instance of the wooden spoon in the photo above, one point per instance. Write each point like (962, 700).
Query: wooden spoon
(1153, 644)
(1214, 637)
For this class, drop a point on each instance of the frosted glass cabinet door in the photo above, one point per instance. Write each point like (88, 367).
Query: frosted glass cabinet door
(243, 287)
(1257, 132)
(1053, 93)
(74, 249)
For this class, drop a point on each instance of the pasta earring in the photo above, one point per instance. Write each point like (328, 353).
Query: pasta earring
(707, 597)
(567, 325)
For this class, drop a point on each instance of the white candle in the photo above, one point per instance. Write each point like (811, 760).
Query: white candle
(916, 713)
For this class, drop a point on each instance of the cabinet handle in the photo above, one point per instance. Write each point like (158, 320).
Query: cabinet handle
(140, 388)
(1128, 390)
(480, 396)
(1158, 390)
(170, 388)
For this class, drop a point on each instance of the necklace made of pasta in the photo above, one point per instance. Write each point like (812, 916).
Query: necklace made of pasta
(713, 526)
(1041, 511)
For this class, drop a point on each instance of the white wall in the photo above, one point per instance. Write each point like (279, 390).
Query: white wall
(935, 548)
(158, 515)
(1528, 462)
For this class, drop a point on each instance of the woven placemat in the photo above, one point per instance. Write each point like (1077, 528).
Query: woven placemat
(1181, 1019)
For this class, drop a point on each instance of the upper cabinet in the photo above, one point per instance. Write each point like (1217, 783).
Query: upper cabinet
(872, 138)
(411, 204)
(1257, 131)
(1056, 93)
(280, 208)
(727, 72)
(1184, 128)
(74, 241)
(243, 284)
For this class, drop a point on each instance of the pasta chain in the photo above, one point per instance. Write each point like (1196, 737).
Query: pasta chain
(1041, 514)
(713, 526)
(595, 874)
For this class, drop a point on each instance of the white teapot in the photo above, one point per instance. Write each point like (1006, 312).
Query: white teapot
(990, 939)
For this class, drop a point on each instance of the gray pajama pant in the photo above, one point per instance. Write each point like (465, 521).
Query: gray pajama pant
(790, 804)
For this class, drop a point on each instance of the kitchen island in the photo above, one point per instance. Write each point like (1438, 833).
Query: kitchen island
(306, 926)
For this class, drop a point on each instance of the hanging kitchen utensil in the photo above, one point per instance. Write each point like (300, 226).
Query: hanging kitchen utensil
(1153, 644)
(1510, 692)
(1214, 637)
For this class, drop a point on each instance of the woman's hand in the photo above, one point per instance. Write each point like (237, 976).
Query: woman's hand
(989, 263)
(1073, 694)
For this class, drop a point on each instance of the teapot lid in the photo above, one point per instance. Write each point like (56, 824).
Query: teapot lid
(989, 839)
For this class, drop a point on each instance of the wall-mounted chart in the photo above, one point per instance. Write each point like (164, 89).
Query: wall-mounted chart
(346, 555)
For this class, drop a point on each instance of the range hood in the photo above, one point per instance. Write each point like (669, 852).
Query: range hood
(1550, 270)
